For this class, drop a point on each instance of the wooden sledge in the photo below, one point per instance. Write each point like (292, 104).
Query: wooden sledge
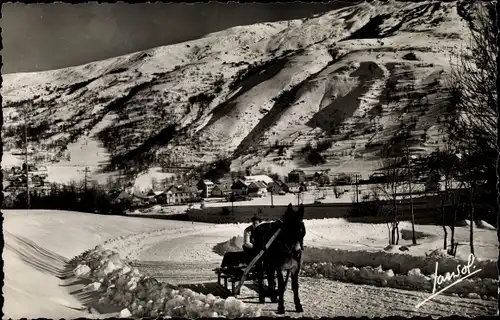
(238, 275)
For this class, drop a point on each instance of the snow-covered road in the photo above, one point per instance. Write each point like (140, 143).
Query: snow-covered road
(188, 261)
(325, 298)
(39, 244)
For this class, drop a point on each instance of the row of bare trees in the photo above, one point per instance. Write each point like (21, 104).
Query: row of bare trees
(448, 186)
(473, 126)
(463, 169)
(472, 118)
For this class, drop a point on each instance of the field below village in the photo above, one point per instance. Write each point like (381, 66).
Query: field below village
(319, 204)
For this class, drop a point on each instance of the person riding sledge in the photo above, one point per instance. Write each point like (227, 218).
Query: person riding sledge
(248, 240)
(239, 258)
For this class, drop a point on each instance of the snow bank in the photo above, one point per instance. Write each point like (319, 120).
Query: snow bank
(160, 210)
(390, 269)
(234, 244)
(400, 262)
(39, 243)
(413, 280)
(140, 296)
(394, 258)
(481, 224)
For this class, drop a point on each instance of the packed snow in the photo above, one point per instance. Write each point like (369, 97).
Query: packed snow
(141, 267)
(141, 296)
(390, 268)
(38, 245)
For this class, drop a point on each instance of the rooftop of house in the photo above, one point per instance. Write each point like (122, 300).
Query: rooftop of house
(242, 182)
(180, 188)
(257, 184)
(123, 195)
(154, 192)
(262, 177)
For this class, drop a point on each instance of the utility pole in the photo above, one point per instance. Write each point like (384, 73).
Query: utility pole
(232, 202)
(272, 203)
(334, 185)
(471, 203)
(357, 187)
(86, 178)
(414, 240)
(26, 157)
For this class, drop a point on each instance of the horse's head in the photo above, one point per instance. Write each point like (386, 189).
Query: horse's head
(294, 229)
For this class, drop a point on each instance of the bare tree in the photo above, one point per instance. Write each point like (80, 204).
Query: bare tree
(468, 164)
(455, 198)
(110, 183)
(473, 113)
(390, 188)
(473, 84)
(409, 179)
(442, 164)
(472, 122)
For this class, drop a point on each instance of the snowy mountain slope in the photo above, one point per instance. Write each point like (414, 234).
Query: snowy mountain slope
(259, 94)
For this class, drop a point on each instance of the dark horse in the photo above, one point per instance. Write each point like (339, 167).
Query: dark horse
(284, 254)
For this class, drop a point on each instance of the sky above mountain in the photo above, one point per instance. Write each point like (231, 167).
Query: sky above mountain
(39, 37)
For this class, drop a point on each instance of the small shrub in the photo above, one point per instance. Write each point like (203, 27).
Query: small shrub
(315, 158)
(323, 145)
(308, 147)
(410, 56)
(367, 209)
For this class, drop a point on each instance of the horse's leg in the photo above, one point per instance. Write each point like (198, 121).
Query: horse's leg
(260, 280)
(271, 283)
(295, 288)
(281, 292)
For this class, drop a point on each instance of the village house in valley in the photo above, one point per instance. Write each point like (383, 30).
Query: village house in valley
(174, 194)
(240, 187)
(274, 187)
(221, 190)
(206, 187)
(292, 187)
(181, 194)
(254, 186)
(262, 178)
(129, 195)
(321, 178)
(153, 194)
(296, 176)
(310, 185)
(257, 189)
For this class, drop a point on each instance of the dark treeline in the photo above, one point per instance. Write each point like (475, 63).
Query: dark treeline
(93, 199)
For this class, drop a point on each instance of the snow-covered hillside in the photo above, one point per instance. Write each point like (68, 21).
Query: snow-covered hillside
(346, 79)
